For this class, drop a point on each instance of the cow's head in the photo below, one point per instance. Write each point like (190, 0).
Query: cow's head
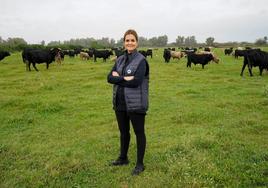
(215, 59)
(55, 51)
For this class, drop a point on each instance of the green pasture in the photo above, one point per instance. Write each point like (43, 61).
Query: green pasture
(205, 127)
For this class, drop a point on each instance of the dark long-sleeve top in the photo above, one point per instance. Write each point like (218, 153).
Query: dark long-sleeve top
(119, 80)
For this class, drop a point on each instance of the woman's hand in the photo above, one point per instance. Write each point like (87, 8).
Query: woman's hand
(114, 73)
(128, 78)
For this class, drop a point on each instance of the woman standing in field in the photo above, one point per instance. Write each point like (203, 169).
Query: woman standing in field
(130, 79)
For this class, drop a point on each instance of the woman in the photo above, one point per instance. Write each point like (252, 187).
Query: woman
(130, 76)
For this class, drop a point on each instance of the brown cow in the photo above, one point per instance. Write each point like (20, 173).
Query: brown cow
(177, 55)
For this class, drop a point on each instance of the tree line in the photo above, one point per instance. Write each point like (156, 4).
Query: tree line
(18, 44)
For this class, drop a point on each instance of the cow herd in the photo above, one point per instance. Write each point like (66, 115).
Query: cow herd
(201, 57)
(252, 57)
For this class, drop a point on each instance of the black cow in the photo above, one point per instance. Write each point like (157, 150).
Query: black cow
(167, 55)
(150, 53)
(4, 54)
(146, 53)
(33, 56)
(71, 53)
(105, 54)
(228, 51)
(118, 52)
(255, 58)
(90, 52)
(77, 51)
(238, 53)
(202, 59)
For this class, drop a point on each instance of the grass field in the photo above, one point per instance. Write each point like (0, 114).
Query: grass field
(205, 127)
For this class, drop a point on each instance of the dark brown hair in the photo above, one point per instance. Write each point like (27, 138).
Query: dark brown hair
(132, 32)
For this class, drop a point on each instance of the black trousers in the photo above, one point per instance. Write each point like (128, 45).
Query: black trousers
(137, 121)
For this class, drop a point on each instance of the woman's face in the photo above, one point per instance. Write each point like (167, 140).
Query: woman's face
(130, 43)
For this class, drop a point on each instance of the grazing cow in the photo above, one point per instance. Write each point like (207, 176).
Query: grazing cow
(90, 52)
(33, 56)
(167, 55)
(150, 53)
(105, 54)
(238, 53)
(228, 51)
(118, 52)
(71, 53)
(177, 55)
(202, 59)
(77, 51)
(4, 54)
(84, 56)
(143, 52)
(255, 58)
(146, 53)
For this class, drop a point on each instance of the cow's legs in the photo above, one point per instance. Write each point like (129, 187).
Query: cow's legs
(35, 67)
(28, 64)
(47, 65)
(244, 65)
(261, 69)
(250, 70)
(188, 64)
(202, 66)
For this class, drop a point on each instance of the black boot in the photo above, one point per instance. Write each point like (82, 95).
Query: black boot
(120, 162)
(138, 169)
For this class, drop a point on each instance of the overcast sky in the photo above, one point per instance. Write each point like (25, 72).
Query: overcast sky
(49, 20)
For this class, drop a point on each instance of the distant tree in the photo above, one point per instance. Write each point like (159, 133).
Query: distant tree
(15, 41)
(112, 42)
(43, 43)
(1, 40)
(261, 41)
(190, 41)
(14, 44)
(180, 40)
(153, 41)
(104, 41)
(54, 43)
(96, 45)
(120, 43)
(143, 41)
(210, 41)
(162, 41)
